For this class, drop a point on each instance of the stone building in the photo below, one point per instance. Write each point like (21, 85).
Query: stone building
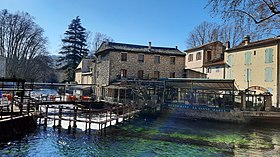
(255, 66)
(2, 66)
(207, 59)
(118, 61)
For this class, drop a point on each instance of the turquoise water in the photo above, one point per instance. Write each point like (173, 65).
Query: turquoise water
(156, 136)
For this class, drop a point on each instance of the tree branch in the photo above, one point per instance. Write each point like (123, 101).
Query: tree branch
(253, 18)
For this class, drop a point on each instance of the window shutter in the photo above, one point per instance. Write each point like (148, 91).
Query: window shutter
(268, 74)
(248, 58)
(229, 75)
(230, 60)
(270, 55)
(266, 56)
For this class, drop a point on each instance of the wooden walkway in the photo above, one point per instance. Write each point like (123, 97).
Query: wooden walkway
(85, 112)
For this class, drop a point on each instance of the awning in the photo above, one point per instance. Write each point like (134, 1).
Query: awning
(115, 87)
(201, 83)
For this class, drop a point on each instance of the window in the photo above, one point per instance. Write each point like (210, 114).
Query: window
(209, 55)
(123, 73)
(123, 56)
(172, 75)
(269, 55)
(230, 60)
(248, 58)
(217, 69)
(190, 58)
(141, 58)
(209, 70)
(172, 60)
(157, 59)
(255, 52)
(140, 74)
(268, 74)
(248, 75)
(156, 74)
(198, 56)
(229, 74)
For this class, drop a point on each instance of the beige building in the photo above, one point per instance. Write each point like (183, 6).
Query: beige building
(2, 66)
(255, 65)
(207, 59)
(83, 74)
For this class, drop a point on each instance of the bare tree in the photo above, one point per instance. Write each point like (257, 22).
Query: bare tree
(98, 39)
(232, 31)
(202, 34)
(21, 42)
(259, 15)
(258, 10)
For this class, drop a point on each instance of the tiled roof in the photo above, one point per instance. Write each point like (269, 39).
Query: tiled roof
(138, 49)
(220, 62)
(256, 43)
(201, 47)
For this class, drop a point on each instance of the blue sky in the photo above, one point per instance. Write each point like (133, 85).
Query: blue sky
(163, 22)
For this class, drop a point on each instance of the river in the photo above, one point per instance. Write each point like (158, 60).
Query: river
(152, 136)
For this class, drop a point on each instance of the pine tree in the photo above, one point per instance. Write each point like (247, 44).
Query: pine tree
(74, 48)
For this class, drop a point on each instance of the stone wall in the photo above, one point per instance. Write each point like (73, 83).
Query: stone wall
(132, 65)
(231, 116)
(102, 70)
(2, 66)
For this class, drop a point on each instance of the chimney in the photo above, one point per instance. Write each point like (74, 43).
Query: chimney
(176, 47)
(227, 45)
(246, 40)
(150, 46)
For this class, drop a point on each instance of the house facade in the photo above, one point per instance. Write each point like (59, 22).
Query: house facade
(119, 61)
(207, 59)
(83, 73)
(2, 66)
(255, 66)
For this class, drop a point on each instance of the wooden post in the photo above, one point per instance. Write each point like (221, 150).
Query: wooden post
(69, 126)
(118, 95)
(12, 109)
(89, 127)
(86, 121)
(123, 111)
(243, 100)
(46, 116)
(75, 119)
(28, 107)
(110, 116)
(105, 123)
(117, 111)
(59, 117)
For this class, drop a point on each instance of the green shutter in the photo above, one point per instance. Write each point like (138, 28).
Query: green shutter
(247, 75)
(230, 60)
(268, 74)
(269, 55)
(248, 58)
(229, 74)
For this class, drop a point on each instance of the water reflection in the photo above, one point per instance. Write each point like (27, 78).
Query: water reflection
(125, 140)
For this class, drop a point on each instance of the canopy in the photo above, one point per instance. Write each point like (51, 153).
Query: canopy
(201, 83)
